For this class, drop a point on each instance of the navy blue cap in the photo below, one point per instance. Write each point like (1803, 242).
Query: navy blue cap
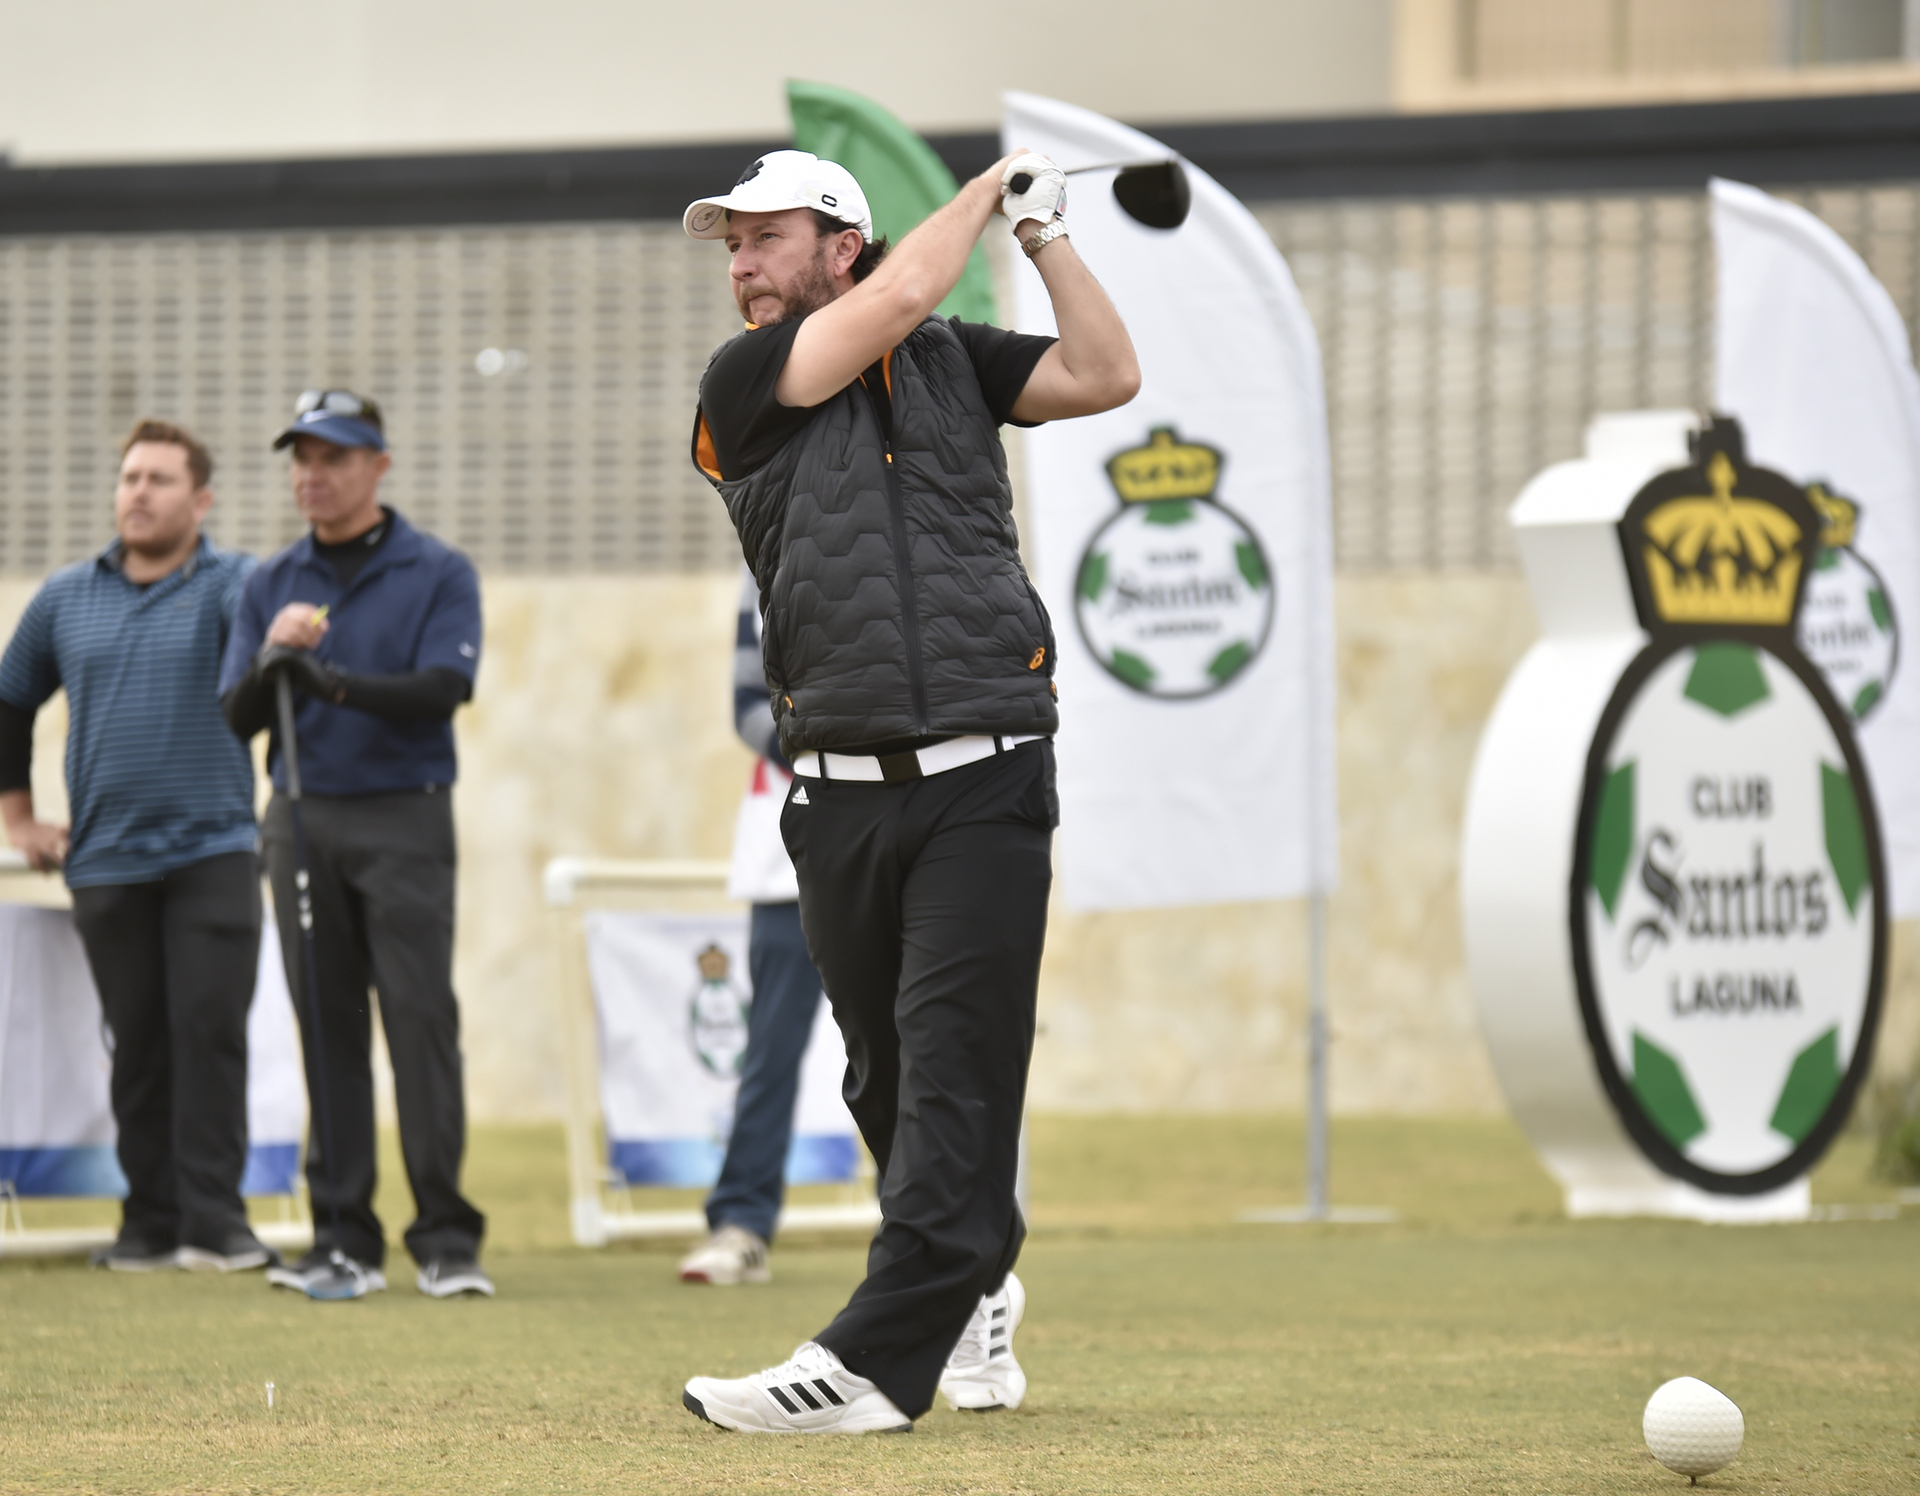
(342, 431)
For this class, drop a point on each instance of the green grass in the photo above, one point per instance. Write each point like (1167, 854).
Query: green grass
(1484, 1344)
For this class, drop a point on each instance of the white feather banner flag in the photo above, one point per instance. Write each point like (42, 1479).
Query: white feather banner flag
(1185, 551)
(1813, 358)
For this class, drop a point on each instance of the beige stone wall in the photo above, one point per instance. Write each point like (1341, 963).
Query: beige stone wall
(601, 725)
(1204, 1009)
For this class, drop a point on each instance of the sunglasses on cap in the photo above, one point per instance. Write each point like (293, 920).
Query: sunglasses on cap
(337, 403)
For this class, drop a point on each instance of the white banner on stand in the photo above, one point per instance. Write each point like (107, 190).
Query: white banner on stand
(1812, 356)
(671, 993)
(56, 1125)
(276, 1083)
(1185, 553)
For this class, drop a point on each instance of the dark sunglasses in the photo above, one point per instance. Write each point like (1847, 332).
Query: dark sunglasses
(336, 403)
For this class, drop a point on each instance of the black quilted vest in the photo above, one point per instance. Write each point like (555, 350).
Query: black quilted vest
(894, 598)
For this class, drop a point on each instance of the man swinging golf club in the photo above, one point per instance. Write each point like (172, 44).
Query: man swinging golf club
(854, 437)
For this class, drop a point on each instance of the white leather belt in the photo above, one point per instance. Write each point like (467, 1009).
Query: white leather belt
(896, 768)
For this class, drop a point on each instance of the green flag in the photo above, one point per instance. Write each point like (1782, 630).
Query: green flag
(902, 177)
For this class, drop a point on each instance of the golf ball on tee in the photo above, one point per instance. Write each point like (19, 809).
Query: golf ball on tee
(1691, 1428)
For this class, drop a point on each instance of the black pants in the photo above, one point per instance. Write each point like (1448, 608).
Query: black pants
(382, 870)
(925, 907)
(175, 962)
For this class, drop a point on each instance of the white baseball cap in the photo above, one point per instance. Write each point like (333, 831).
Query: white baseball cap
(780, 180)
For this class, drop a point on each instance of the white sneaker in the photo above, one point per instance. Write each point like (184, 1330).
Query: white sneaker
(731, 1255)
(811, 1394)
(982, 1373)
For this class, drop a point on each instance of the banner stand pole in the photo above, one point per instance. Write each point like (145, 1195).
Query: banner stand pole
(1317, 1056)
(1319, 1208)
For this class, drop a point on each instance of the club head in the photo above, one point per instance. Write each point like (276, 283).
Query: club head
(1156, 194)
(343, 1279)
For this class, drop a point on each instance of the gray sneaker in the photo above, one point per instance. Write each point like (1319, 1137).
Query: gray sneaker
(239, 1253)
(316, 1265)
(131, 1255)
(448, 1277)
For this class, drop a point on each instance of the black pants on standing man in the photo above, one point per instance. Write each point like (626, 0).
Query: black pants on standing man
(175, 960)
(382, 878)
(925, 907)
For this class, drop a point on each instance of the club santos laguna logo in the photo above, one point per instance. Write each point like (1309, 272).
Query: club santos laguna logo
(717, 1016)
(1174, 597)
(1846, 624)
(1728, 919)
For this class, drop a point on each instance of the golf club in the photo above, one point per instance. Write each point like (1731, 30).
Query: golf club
(344, 1278)
(1151, 192)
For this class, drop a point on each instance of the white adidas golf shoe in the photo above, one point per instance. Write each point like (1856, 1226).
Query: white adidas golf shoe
(811, 1394)
(981, 1373)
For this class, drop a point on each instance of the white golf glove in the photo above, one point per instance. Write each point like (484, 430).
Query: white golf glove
(1045, 196)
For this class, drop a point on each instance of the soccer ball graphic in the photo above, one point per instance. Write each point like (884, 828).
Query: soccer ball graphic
(1847, 628)
(717, 1016)
(1174, 596)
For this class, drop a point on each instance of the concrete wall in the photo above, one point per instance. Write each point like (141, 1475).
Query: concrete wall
(1205, 1009)
(124, 80)
(601, 725)
(1534, 56)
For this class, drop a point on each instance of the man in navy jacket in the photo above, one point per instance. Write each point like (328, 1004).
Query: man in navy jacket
(378, 625)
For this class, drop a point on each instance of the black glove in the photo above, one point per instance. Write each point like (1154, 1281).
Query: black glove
(308, 673)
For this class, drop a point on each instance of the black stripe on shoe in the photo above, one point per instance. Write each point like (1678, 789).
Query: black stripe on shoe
(780, 1397)
(828, 1393)
(799, 1390)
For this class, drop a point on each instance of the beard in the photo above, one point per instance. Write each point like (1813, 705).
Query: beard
(151, 534)
(810, 290)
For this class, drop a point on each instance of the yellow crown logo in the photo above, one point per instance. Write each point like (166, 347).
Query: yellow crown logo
(1838, 516)
(1164, 469)
(713, 964)
(1722, 557)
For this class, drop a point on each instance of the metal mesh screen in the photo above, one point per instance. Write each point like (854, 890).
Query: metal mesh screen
(1466, 342)
(570, 455)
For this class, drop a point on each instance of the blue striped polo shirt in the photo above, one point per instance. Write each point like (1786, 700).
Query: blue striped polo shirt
(155, 779)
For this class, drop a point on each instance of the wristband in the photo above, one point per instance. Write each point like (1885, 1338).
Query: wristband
(1055, 230)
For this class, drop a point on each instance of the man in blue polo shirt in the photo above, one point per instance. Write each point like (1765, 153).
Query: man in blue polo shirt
(160, 854)
(378, 625)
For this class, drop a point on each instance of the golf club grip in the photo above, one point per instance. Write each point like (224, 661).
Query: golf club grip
(289, 746)
(1018, 183)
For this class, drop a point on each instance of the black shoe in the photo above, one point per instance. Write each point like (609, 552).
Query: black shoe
(316, 1265)
(444, 1277)
(241, 1252)
(132, 1255)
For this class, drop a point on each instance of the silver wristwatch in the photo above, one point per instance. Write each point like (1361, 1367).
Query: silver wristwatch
(1037, 242)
